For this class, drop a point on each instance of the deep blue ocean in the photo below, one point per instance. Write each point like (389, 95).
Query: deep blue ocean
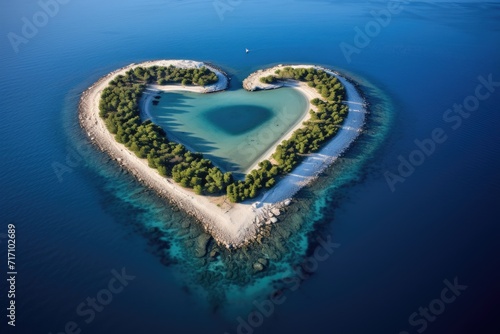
(80, 221)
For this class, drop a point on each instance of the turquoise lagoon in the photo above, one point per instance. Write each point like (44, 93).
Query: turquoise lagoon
(232, 128)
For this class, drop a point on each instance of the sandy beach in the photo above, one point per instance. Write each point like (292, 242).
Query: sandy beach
(231, 225)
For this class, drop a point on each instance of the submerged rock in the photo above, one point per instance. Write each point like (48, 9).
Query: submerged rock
(257, 267)
(201, 244)
(263, 261)
(214, 252)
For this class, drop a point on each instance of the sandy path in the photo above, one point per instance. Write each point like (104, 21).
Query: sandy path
(230, 224)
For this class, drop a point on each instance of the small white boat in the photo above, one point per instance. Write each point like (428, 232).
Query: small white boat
(247, 51)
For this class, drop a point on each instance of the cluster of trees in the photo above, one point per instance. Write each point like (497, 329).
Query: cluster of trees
(323, 124)
(119, 107)
(199, 174)
(168, 75)
(270, 79)
(263, 177)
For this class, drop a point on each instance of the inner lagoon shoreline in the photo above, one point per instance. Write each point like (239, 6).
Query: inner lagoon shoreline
(231, 225)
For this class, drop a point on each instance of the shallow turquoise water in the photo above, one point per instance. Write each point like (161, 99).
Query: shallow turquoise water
(232, 128)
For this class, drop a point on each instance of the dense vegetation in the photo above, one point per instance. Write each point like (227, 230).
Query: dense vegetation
(119, 107)
(270, 79)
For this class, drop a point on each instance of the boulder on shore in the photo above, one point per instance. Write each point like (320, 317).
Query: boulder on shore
(276, 212)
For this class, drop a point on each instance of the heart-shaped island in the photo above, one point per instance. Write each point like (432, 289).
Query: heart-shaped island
(164, 152)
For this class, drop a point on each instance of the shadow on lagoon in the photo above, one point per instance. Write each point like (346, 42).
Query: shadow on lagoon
(168, 121)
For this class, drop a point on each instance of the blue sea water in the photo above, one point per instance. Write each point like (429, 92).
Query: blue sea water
(78, 216)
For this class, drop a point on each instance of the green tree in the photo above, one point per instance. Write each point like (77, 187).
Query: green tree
(198, 190)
